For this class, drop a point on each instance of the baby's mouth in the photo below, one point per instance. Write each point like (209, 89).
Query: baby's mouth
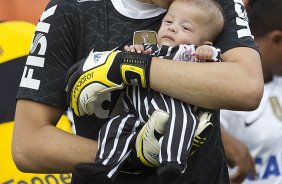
(168, 37)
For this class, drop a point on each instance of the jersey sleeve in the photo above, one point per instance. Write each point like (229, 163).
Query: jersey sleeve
(224, 119)
(51, 54)
(236, 32)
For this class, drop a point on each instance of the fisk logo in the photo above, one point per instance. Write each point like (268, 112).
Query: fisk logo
(37, 61)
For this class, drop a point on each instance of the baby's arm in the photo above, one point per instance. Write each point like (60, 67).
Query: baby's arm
(192, 53)
(138, 49)
(207, 53)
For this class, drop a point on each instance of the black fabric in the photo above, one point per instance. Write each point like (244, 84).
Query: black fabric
(10, 76)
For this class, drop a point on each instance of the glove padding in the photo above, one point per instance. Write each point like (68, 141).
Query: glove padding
(147, 144)
(147, 141)
(103, 72)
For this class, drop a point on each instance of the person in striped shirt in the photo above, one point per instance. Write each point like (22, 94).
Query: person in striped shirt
(177, 120)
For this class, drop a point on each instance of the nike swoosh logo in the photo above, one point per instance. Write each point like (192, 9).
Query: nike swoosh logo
(247, 124)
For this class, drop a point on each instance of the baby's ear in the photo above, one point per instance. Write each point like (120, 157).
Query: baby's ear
(207, 43)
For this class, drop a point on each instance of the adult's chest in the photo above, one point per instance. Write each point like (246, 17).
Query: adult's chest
(112, 31)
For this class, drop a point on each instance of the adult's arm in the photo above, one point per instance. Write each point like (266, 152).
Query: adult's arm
(238, 155)
(235, 84)
(38, 146)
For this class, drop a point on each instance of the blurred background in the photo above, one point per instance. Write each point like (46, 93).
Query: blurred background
(18, 19)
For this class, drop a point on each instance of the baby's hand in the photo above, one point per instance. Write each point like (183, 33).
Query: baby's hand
(204, 52)
(137, 49)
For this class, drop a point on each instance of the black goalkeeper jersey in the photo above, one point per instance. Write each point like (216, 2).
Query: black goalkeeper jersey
(69, 29)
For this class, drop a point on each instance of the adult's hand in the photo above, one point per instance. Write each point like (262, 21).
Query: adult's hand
(102, 72)
(238, 155)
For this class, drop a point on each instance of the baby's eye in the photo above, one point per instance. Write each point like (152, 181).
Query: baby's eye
(168, 21)
(186, 28)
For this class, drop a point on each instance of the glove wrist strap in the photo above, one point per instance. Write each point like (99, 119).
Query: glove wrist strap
(135, 68)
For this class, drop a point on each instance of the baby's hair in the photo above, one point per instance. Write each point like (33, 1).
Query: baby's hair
(216, 16)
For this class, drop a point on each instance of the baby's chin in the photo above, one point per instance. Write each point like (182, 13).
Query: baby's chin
(168, 43)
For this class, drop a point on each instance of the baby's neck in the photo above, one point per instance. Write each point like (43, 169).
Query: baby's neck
(145, 1)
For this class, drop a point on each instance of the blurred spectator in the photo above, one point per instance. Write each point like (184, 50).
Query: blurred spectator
(261, 130)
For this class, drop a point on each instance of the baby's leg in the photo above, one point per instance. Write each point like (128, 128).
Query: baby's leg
(116, 140)
(177, 140)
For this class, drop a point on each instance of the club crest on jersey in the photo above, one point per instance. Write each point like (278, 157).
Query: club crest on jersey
(185, 53)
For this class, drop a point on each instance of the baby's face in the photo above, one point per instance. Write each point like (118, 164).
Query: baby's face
(184, 23)
(161, 3)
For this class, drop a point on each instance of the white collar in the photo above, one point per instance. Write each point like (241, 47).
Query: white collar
(136, 10)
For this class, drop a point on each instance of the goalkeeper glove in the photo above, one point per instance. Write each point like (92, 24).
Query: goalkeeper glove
(202, 131)
(102, 72)
(147, 145)
(147, 141)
